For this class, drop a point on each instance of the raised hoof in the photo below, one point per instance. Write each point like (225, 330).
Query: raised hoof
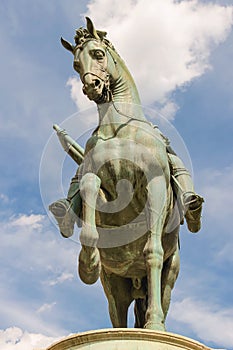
(89, 265)
(155, 326)
(89, 277)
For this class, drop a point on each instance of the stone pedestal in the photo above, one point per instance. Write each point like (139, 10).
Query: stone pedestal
(126, 339)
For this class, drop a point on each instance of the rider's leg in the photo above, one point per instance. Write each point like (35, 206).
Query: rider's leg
(192, 202)
(67, 211)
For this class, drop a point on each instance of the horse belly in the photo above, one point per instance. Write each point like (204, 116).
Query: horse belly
(125, 261)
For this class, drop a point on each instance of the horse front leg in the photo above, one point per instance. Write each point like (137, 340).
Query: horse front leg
(89, 259)
(153, 252)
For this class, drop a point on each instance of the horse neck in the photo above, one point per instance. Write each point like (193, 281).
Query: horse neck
(125, 98)
(124, 88)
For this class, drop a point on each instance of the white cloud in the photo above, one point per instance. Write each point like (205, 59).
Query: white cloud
(33, 221)
(40, 257)
(62, 278)
(166, 44)
(81, 101)
(15, 338)
(210, 323)
(83, 104)
(217, 188)
(4, 198)
(33, 234)
(46, 307)
(169, 110)
(39, 288)
(14, 311)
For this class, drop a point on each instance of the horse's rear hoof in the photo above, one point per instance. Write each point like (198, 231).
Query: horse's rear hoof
(155, 326)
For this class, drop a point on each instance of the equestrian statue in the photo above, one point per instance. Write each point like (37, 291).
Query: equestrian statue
(130, 194)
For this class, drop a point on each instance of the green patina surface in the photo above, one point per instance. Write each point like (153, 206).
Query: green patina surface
(122, 194)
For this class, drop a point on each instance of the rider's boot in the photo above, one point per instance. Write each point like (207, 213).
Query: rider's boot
(67, 210)
(193, 207)
(64, 215)
(191, 202)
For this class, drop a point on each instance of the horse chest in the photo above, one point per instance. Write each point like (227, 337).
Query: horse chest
(121, 155)
(113, 159)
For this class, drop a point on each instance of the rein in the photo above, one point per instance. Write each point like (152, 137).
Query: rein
(95, 75)
(130, 117)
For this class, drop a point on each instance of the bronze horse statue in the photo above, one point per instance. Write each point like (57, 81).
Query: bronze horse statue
(127, 236)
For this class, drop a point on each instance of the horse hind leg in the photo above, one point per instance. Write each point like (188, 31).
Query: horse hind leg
(118, 292)
(89, 259)
(169, 276)
(140, 308)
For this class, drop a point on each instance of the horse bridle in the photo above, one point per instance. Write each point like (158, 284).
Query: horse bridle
(106, 82)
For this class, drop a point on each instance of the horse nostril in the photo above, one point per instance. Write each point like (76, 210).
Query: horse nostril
(97, 82)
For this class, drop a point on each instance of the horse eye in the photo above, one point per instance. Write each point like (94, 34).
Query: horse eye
(98, 54)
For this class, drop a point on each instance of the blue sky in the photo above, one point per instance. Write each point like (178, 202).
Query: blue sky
(181, 54)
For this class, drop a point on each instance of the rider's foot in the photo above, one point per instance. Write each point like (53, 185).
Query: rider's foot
(64, 215)
(193, 207)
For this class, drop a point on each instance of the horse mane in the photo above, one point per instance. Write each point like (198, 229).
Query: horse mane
(83, 35)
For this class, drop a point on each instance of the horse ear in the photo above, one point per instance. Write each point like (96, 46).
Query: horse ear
(68, 46)
(91, 29)
(101, 34)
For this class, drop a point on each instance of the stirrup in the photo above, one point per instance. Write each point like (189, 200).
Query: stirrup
(64, 215)
(193, 207)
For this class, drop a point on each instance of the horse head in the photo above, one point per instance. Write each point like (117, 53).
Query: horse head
(93, 61)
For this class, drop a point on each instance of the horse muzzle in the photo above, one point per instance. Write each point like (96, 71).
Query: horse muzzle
(95, 88)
